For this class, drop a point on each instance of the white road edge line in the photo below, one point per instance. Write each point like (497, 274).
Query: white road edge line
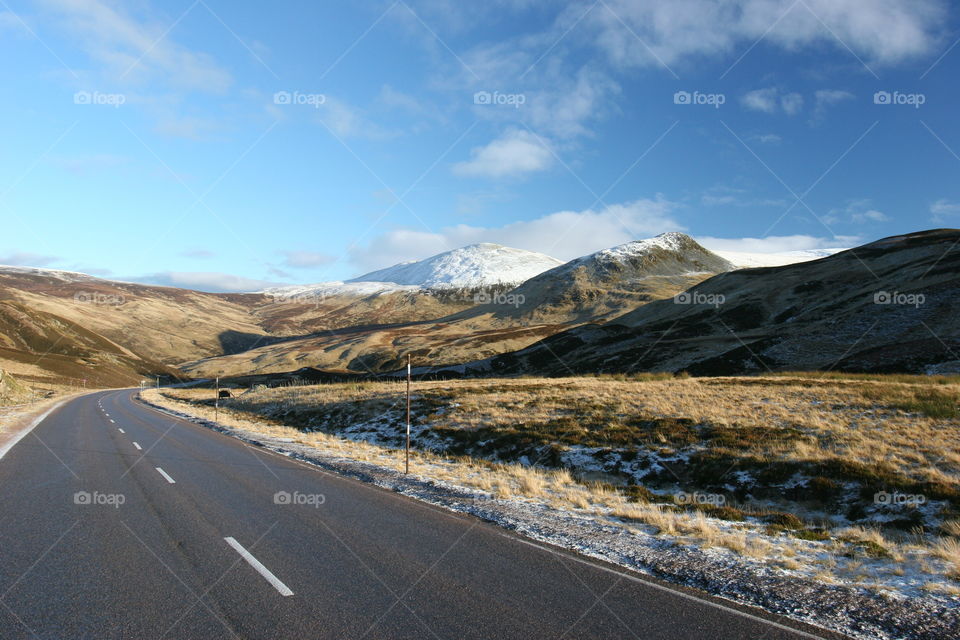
(111, 420)
(120, 430)
(166, 475)
(262, 570)
(139, 448)
(18, 437)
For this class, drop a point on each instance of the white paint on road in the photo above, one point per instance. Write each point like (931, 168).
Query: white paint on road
(262, 570)
(111, 420)
(139, 448)
(17, 437)
(167, 476)
(120, 430)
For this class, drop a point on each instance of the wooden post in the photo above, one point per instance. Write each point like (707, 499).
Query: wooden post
(407, 467)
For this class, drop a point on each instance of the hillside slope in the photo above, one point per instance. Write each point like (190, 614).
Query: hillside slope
(592, 288)
(891, 305)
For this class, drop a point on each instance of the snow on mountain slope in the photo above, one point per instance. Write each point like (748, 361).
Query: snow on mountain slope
(67, 276)
(747, 260)
(682, 247)
(332, 289)
(474, 266)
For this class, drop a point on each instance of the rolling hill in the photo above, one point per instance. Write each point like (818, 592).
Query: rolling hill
(888, 306)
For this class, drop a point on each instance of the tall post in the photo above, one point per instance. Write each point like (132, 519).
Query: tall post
(407, 466)
(216, 402)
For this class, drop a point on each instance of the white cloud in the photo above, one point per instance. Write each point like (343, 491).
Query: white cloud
(776, 244)
(881, 32)
(943, 209)
(761, 100)
(857, 211)
(825, 98)
(515, 153)
(791, 103)
(348, 121)
(205, 281)
(306, 259)
(198, 254)
(26, 259)
(870, 215)
(771, 99)
(563, 234)
(134, 49)
(769, 138)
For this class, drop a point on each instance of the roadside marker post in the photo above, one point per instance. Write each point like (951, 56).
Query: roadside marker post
(216, 402)
(407, 467)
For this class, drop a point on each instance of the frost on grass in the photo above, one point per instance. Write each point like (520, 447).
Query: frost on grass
(777, 476)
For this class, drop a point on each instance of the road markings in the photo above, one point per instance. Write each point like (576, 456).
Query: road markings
(120, 430)
(166, 475)
(111, 420)
(262, 570)
(139, 448)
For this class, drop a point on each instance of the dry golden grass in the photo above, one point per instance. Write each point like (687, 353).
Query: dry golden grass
(834, 420)
(777, 418)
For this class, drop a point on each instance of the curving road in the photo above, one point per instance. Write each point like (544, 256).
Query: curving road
(118, 521)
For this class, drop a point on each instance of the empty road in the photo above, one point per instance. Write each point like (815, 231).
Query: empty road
(118, 521)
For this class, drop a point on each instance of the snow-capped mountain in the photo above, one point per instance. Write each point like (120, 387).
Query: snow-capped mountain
(611, 282)
(473, 266)
(672, 253)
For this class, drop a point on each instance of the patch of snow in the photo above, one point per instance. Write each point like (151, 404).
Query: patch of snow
(67, 276)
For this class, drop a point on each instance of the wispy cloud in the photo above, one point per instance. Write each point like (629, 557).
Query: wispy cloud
(138, 48)
(944, 209)
(204, 281)
(772, 100)
(27, 259)
(563, 234)
(514, 154)
(306, 259)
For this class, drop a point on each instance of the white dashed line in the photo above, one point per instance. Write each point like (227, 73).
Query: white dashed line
(166, 475)
(262, 570)
(111, 420)
(139, 448)
(120, 430)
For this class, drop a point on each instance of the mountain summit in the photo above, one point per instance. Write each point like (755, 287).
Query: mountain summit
(473, 266)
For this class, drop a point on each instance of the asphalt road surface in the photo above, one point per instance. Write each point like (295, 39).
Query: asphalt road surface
(118, 521)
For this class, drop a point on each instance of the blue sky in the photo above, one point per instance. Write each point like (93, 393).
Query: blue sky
(224, 145)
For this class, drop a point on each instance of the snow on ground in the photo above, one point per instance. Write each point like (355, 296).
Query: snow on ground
(899, 610)
(332, 289)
